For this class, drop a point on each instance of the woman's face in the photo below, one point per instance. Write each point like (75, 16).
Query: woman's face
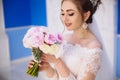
(70, 16)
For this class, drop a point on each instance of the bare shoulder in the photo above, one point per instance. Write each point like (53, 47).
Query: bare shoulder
(94, 44)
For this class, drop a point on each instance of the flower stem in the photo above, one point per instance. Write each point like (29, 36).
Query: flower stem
(34, 70)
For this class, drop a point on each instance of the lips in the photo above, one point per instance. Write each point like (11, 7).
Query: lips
(68, 24)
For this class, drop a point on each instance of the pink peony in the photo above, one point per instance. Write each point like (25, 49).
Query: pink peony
(59, 38)
(50, 39)
(43, 29)
(37, 39)
(27, 43)
(33, 30)
(34, 37)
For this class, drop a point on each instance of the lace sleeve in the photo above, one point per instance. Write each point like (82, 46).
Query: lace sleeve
(55, 77)
(91, 64)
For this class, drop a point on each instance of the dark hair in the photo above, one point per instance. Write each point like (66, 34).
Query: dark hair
(86, 5)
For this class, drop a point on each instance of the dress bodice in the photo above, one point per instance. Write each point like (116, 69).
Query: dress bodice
(81, 59)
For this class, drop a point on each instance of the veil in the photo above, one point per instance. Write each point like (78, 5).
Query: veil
(104, 71)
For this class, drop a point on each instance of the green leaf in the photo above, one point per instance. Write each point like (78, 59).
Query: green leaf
(37, 53)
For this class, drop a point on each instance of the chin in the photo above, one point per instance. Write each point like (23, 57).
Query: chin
(69, 29)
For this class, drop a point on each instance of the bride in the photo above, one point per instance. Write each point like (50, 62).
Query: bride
(81, 54)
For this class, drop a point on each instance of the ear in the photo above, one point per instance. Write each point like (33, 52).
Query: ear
(86, 15)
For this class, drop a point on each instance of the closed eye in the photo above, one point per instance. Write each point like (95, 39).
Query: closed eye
(71, 14)
(62, 14)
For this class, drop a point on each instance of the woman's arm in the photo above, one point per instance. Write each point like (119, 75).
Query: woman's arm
(60, 67)
(47, 68)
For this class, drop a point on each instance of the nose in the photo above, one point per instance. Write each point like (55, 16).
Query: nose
(66, 18)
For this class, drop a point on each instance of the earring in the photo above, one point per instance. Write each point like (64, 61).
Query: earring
(84, 25)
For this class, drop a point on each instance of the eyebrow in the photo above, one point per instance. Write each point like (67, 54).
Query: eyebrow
(68, 10)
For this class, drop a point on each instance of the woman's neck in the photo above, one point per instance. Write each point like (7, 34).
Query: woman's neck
(80, 33)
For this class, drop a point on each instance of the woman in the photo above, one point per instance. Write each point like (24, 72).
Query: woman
(81, 50)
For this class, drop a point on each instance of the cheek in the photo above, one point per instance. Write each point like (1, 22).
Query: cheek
(62, 19)
(77, 20)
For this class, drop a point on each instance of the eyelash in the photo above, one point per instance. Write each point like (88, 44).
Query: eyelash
(68, 14)
(62, 14)
(71, 14)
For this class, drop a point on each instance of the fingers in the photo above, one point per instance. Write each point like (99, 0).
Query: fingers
(44, 55)
(31, 63)
(44, 58)
(42, 66)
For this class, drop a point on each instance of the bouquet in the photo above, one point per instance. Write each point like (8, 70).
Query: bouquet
(40, 41)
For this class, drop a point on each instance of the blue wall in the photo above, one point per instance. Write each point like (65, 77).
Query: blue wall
(17, 49)
(118, 17)
(17, 13)
(22, 13)
(118, 57)
(118, 43)
(38, 12)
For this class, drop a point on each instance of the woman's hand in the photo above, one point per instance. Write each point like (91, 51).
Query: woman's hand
(42, 66)
(31, 63)
(48, 58)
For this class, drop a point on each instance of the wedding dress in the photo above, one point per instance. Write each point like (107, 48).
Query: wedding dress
(80, 60)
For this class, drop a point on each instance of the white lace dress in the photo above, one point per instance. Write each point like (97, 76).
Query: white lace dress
(80, 60)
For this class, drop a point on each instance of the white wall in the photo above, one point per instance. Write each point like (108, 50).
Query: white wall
(4, 47)
(53, 15)
(104, 20)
